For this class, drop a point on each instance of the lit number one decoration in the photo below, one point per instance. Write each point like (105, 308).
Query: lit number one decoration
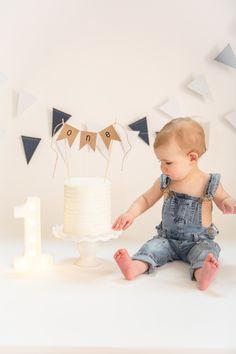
(30, 212)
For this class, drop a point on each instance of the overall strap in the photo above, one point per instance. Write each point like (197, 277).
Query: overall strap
(212, 185)
(164, 181)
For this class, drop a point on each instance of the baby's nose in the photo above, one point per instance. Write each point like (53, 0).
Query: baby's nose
(164, 168)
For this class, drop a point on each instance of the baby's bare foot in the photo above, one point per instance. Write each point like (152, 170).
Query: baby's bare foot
(125, 264)
(206, 274)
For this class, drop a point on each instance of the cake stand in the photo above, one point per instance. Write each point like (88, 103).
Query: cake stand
(85, 244)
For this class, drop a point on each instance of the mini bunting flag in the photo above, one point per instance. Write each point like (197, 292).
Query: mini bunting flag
(88, 138)
(199, 85)
(141, 126)
(68, 132)
(30, 144)
(227, 57)
(100, 146)
(108, 134)
(58, 118)
(25, 100)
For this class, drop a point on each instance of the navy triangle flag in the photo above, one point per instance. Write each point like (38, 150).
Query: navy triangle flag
(141, 126)
(30, 144)
(57, 120)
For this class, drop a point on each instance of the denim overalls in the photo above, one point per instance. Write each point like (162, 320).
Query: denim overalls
(180, 235)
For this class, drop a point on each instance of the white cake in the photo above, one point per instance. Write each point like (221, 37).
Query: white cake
(87, 206)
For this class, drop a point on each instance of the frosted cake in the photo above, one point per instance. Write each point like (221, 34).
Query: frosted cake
(87, 206)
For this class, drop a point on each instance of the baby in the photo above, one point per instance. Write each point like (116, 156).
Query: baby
(186, 231)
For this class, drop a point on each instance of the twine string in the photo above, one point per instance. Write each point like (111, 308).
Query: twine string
(58, 151)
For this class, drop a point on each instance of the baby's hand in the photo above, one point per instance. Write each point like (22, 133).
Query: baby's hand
(123, 222)
(228, 206)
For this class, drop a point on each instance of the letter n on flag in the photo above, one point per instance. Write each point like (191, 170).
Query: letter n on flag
(108, 134)
(88, 138)
(68, 132)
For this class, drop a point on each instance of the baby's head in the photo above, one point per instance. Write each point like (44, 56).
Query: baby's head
(178, 145)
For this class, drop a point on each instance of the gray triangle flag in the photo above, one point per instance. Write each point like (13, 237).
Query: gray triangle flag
(227, 57)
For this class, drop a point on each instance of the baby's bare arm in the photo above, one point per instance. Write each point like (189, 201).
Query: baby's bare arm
(139, 206)
(146, 200)
(224, 201)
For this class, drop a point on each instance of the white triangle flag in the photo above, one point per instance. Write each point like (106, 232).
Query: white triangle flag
(171, 107)
(231, 118)
(25, 100)
(199, 85)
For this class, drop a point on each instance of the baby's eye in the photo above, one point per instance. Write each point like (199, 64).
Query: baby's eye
(169, 163)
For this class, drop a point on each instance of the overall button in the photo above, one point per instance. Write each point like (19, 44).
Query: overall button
(195, 237)
(171, 193)
(210, 231)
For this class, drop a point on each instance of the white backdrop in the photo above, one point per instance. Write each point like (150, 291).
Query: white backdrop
(105, 60)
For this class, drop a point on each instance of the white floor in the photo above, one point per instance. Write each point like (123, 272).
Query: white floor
(70, 309)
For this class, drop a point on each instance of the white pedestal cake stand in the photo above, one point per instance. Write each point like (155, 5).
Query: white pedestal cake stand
(86, 245)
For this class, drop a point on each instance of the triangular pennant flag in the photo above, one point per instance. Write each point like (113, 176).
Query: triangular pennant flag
(88, 138)
(227, 57)
(199, 85)
(231, 118)
(108, 134)
(25, 100)
(100, 147)
(68, 132)
(58, 117)
(141, 126)
(171, 107)
(30, 144)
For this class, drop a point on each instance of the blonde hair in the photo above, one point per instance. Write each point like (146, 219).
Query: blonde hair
(188, 134)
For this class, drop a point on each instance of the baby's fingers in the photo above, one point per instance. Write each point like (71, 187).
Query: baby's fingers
(120, 224)
(128, 223)
(115, 226)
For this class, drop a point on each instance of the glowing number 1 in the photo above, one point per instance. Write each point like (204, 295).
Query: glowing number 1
(30, 211)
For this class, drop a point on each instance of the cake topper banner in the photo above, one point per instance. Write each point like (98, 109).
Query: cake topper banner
(88, 138)
(108, 134)
(68, 132)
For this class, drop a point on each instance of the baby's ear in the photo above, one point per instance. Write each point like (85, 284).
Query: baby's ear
(193, 156)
